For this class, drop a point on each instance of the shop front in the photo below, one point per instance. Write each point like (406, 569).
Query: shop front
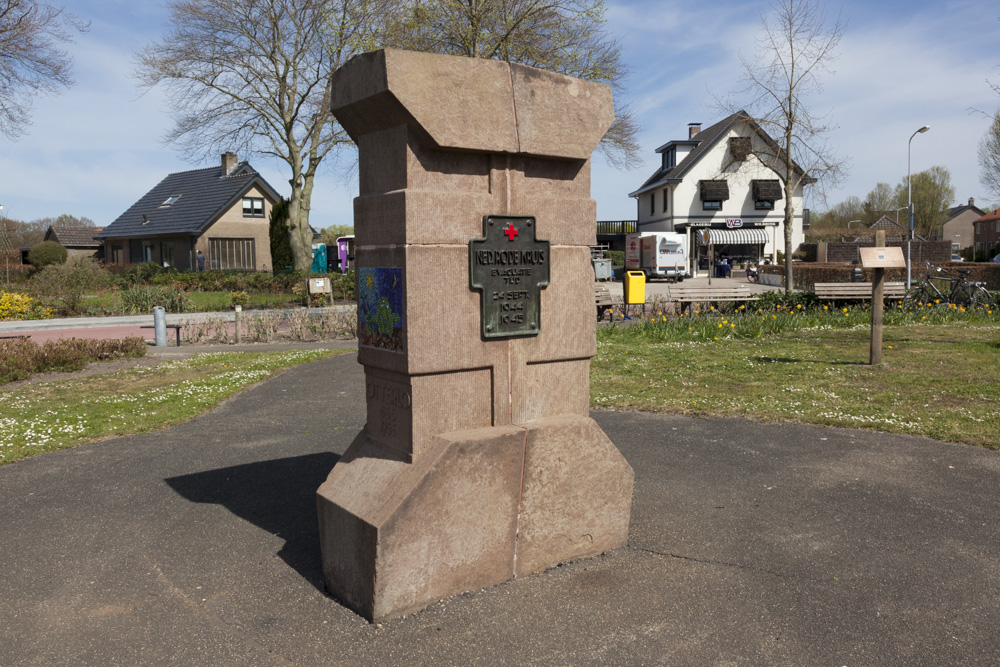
(737, 246)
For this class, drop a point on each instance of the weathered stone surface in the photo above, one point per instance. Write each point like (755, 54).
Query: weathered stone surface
(472, 104)
(557, 115)
(449, 402)
(577, 495)
(396, 536)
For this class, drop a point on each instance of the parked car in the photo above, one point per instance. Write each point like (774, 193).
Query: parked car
(957, 258)
(996, 260)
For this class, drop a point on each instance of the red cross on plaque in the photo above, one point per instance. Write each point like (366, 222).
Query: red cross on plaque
(511, 232)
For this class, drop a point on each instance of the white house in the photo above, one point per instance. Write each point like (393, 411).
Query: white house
(714, 186)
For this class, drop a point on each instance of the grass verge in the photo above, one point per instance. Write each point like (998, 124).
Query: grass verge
(938, 380)
(56, 415)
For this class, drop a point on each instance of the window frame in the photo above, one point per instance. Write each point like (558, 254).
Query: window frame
(711, 204)
(763, 205)
(244, 248)
(252, 212)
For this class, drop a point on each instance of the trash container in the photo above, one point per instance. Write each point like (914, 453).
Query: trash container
(635, 287)
(857, 276)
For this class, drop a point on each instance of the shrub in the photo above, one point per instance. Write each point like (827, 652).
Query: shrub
(15, 306)
(617, 257)
(140, 299)
(21, 358)
(281, 244)
(69, 282)
(46, 253)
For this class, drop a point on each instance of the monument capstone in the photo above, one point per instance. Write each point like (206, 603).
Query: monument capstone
(479, 462)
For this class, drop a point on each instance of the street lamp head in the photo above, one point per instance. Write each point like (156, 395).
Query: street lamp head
(924, 129)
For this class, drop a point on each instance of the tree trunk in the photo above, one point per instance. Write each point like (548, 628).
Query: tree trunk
(300, 234)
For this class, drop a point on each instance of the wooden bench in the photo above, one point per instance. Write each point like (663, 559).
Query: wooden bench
(689, 294)
(175, 327)
(856, 291)
(602, 299)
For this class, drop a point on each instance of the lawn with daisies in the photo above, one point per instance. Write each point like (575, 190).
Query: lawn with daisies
(47, 416)
(799, 360)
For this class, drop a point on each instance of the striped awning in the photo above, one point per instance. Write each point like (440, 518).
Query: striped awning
(747, 236)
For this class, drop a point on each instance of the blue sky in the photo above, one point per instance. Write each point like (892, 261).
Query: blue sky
(95, 149)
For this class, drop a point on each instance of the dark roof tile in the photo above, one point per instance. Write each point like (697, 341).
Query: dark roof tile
(74, 236)
(202, 195)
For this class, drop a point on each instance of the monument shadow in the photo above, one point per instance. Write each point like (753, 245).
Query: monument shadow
(278, 496)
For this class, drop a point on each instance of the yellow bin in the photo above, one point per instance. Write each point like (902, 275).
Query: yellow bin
(635, 287)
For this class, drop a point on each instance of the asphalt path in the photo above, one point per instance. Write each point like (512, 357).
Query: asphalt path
(751, 544)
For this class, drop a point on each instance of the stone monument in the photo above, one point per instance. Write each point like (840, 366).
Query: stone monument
(479, 462)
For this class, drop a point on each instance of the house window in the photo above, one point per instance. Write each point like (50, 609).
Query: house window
(253, 207)
(117, 254)
(670, 159)
(765, 193)
(167, 254)
(170, 200)
(147, 252)
(713, 193)
(665, 190)
(238, 254)
(652, 203)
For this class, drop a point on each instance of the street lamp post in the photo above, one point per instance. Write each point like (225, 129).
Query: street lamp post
(909, 202)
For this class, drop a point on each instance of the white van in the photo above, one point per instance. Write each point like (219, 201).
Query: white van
(657, 254)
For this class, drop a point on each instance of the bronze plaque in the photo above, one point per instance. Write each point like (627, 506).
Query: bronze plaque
(510, 267)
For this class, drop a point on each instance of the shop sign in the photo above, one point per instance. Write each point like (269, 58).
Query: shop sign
(734, 223)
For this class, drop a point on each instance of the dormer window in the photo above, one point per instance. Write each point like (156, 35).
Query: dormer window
(170, 200)
(670, 159)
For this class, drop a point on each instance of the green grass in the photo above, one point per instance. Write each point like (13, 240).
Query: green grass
(940, 380)
(215, 301)
(205, 301)
(48, 416)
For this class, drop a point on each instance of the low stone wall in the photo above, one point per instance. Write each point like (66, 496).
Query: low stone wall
(807, 274)
(936, 252)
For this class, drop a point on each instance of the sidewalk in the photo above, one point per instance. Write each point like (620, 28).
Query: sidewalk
(751, 544)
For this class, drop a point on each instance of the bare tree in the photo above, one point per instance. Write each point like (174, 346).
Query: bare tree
(989, 157)
(31, 62)
(565, 36)
(255, 76)
(796, 48)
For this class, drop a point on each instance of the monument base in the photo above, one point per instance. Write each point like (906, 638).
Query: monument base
(478, 508)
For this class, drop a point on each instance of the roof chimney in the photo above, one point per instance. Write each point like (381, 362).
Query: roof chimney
(229, 162)
(972, 201)
(693, 129)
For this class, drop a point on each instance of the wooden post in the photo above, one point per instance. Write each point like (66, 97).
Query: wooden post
(239, 312)
(878, 304)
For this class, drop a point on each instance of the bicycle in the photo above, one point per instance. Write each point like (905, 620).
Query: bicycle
(960, 291)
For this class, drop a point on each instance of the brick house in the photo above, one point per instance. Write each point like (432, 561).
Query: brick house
(958, 228)
(987, 234)
(222, 211)
(79, 241)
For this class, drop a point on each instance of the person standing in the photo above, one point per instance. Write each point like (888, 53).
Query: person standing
(199, 258)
